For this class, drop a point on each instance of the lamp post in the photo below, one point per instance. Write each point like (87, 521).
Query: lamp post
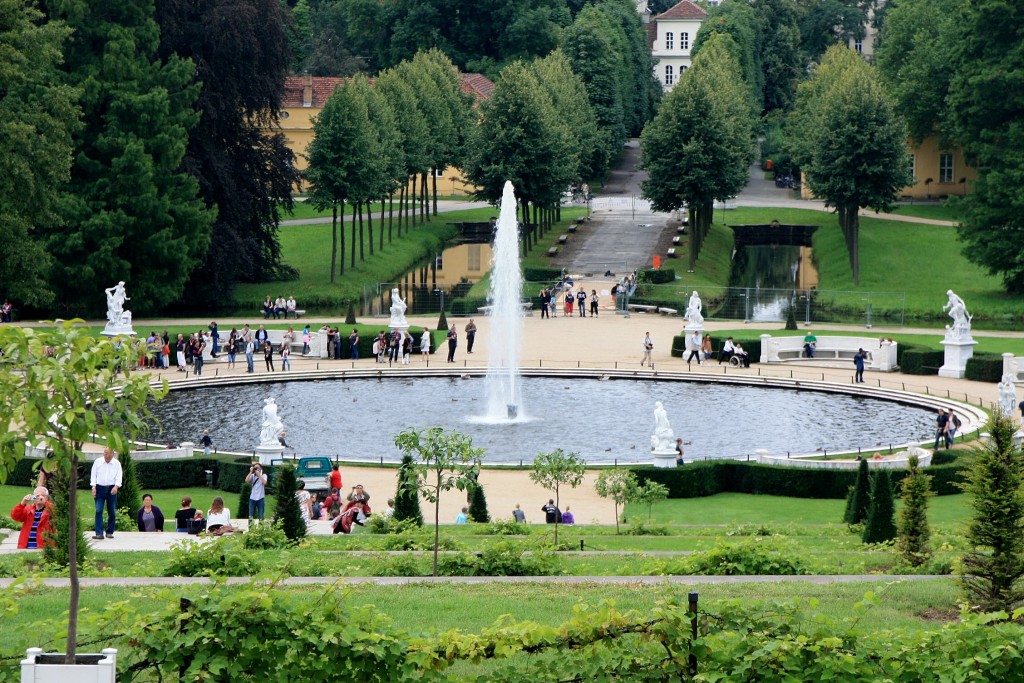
(440, 291)
(806, 296)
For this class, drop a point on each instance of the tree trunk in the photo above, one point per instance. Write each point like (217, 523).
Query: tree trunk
(382, 202)
(369, 224)
(435, 191)
(559, 506)
(424, 198)
(391, 217)
(854, 228)
(341, 233)
(437, 526)
(353, 257)
(334, 237)
(401, 211)
(72, 644)
(693, 242)
(362, 254)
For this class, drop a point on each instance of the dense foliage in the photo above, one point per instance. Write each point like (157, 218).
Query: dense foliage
(287, 512)
(914, 540)
(880, 526)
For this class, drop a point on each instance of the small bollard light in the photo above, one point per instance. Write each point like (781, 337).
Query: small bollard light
(209, 478)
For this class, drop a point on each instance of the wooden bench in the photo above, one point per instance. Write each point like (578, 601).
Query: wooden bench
(677, 241)
(671, 253)
(667, 311)
(562, 239)
(572, 228)
(553, 251)
(643, 308)
(580, 220)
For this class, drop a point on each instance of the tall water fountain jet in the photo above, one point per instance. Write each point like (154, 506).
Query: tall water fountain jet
(503, 383)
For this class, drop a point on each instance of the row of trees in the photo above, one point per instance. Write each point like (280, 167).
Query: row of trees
(132, 149)
(956, 70)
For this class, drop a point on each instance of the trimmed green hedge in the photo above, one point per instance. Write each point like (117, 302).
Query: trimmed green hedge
(984, 367)
(700, 479)
(657, 277)
(752, 346)
(921, 362)
(541, 275)
(228, 472)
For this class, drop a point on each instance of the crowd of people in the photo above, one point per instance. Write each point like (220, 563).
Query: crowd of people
(550, 299)
(276, 308)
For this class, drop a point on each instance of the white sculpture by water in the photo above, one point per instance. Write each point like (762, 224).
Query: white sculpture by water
(398, 307)
(961, 327)
(958, 344)
(119, 321)
(664, 439)
(1007, 395)
(694, 317)
(272, 425)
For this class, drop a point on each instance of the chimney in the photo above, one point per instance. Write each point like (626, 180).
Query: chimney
(307, 90)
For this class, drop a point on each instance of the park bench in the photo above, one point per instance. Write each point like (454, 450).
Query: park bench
(562, 239)
(643, 308)
(572, 228)
(881, 354)
(681, 230)
(553, 251)
(677, 241)
(664, 310)
(671, 253)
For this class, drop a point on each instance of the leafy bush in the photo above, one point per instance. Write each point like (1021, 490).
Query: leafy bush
(217, 557)
(749, 558)
(506, 527)
(7, 523)
(265, 536)
(501, 558)
(657, 277)
(984, 367)
(417, 539)
(640, 529)
(397, 565)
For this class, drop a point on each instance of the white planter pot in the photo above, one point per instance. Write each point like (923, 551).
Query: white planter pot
(101, 668)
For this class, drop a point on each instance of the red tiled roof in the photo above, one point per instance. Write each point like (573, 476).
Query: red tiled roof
(652, 34)
(477, 85)
(684, 10)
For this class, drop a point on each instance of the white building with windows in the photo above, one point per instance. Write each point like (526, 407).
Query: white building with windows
(670, 36)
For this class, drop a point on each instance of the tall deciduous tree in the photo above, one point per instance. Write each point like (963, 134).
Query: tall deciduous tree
(446, 461)
(38, 113)
(61, 387)
(740, 22)
(994, 565)
(849, 143)
(245, 170)
(780, 51)
(557, 469)
(698, 148)
(133, 214)
(824, 23)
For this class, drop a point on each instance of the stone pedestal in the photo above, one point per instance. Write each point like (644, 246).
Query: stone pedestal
(958, 352)
(122, 329)
(665, 458)
(268, 453)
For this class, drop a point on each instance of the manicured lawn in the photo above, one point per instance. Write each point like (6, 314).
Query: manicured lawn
(941, 212)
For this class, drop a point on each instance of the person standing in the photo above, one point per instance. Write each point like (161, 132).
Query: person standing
(179, 350)
(545, 301)
(286, 362)
(858, 361)
(593, 303)
(695, 347)
(258, 495)
(206, 442)
(679, 453)
(951, 429)
(197, 354)
(215, 337)
(334, 479)
(425, 344)
(353, 344)
(941, 426)
(648, 347)
(470, 335)
(581, 302)
(268, 356)
(34, 512)
(706, 349)
(569, 301)
(551, 512)
(518, 515)
(250, 351)
(453, 342)
(305, 340)
(394, 346)
(105, 481)
(406, 348)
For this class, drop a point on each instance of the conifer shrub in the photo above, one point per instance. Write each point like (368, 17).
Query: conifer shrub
(129, 495)
(859, 497)
(407, 501)
(914, 540)
(56, 552)
(287, 512)
(478, 503)
(880, 525)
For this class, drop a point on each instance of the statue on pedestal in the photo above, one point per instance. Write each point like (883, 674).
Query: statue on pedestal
(119, 321)
(694, 317)
(272, 425)
(664, 439)
(961, 327)
(1007, 395)
(397, 310)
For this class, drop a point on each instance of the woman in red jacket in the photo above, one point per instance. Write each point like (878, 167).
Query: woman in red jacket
(34, 512)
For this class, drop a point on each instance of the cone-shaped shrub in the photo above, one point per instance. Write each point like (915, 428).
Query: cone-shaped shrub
(129, 495)
(56, 552)
(407, 499)
(287, 511)
(914, 542)
(857, 509)
(478, 503)
(880, 525)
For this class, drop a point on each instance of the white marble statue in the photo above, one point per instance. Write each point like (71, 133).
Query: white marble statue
(961, 327)
(693, 311)
(397, 310)
(664, 439)
(119, 321)
(1007, 395)
(272, 425)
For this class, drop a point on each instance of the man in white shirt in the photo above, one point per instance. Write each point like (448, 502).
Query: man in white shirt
(105, 482)
(648, 346)
(695, 342)
(727, 351)
(290, 308)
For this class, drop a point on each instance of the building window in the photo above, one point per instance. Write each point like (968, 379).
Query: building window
(945, 168)
(670, 76)
(670, 40)
(858, 46)
(684, 41)
(474, 259)
(439, 174)
(912, 167)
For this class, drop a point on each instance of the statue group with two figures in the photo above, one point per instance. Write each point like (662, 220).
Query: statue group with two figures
(664, 439)
(119, 321)
(961, 327)
(694, 316)
(272, 425)
(1007, 395)
(398, 308)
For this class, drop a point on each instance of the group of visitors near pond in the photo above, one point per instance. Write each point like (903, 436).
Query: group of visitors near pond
(551, 298)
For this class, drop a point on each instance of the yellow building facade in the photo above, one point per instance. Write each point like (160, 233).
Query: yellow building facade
(939, 172)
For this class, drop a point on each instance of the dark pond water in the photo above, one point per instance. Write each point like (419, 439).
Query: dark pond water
(603, 420)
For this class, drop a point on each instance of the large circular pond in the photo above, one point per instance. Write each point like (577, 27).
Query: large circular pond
(602, 420)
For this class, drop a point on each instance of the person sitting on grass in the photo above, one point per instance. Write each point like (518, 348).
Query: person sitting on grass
(567, 517)
(149, 517)
(184, 516)
(218, 519)
(34, 512)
